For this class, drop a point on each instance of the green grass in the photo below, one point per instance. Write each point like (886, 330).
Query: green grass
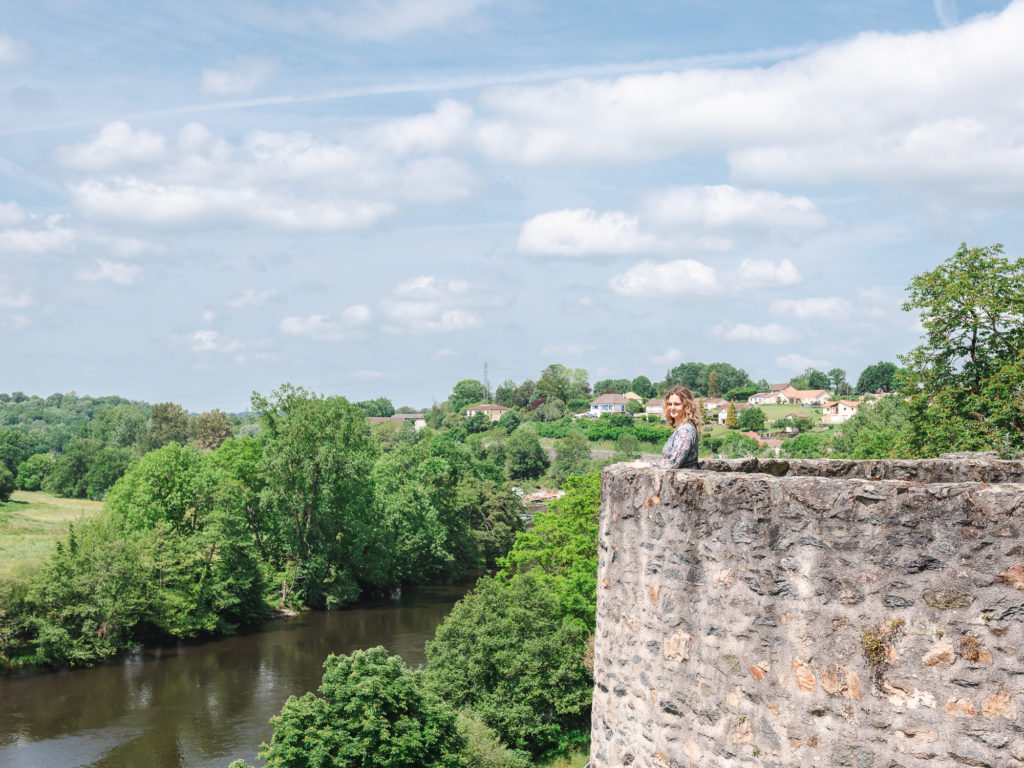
(30, 525)
(575, 759)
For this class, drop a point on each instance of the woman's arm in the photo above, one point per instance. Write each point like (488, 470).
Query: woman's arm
(679, 445)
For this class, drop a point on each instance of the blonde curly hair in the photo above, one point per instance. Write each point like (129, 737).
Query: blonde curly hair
(691, 410)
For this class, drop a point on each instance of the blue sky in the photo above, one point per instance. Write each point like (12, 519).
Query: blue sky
(377, 197)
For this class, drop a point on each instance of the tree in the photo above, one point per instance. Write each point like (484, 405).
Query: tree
(643, 387)
(209, 429)
(168, 423)
(751, 419)
(7, 484)
(712, 388)
(837, 377)
(555, 382)
(694, 376)
(34, 470)
(731, 419)
(879, 377)
(572, 454)
(15, 447)
(816, 379)
(510, 420)
(736, 445)
(965, 381)
(123, 425)
(467, 392)
(372, 711)
(525, 458)
(613, 387)
(381, 407)
(805, 446)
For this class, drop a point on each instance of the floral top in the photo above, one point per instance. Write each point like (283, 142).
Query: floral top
(680, 449)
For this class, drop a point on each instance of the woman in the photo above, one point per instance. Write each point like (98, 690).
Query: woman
(682, 413)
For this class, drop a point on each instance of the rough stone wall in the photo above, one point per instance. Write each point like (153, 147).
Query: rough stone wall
(734, 604)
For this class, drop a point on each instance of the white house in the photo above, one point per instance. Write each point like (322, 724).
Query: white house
(655, 407)
(490, 410)
(767, 398)
(805, 396)
(609, 404)
(715, 404)
(839, 411)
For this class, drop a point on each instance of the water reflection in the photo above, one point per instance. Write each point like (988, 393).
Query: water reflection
(197, 705)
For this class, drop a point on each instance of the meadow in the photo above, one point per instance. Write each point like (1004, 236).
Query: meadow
(31, 523)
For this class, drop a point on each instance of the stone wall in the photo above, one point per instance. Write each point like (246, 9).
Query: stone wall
(811, 613)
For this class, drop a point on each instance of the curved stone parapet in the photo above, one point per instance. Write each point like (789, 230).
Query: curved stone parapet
(811, 613)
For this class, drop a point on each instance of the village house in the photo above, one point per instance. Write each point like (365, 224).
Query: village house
(839, 411)
(655, 407)
(609, 404)
(724, 412)
(417, 420)
(805, 396)
(490, 410)
(779, 387)
(715, 404)
(767, 398)
(634, 396)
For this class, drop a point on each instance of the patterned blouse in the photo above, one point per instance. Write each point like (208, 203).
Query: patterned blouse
(680, 449)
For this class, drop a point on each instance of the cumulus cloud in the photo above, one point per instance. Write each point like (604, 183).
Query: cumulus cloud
(437, 131)
(251, 298)
(112, 272)
(325, 328)
(208, 340)
(768, 334)
(12, 51)
(892, 108)
(428, 304)
(831, 307)
(674, 278)
(116, 145)
(582, 232)
(357, 314)
(291, 181)
(761, 272)
(245, 75)
(40, 236)
(12, 300)
(11, 214)
(726, 208)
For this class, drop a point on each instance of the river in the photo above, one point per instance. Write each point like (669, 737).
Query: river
(198, 705)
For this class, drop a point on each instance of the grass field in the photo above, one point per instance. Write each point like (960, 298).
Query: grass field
(575, 759)
(30, 525)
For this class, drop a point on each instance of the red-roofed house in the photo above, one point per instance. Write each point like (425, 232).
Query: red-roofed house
(609, 404)
(490, 410)
(839, 411)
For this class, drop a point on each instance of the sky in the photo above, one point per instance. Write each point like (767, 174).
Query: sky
(382, 197)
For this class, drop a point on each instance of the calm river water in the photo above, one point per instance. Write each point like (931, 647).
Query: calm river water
(198, 705)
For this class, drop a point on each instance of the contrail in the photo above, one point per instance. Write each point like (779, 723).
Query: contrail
(455, 83)
(17, 172)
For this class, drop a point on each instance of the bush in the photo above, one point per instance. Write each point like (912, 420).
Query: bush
(7, 484)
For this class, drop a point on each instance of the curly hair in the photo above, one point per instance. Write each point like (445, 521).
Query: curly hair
(691, 410)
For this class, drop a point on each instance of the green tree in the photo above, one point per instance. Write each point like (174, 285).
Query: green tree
(731, 420)
(879, 377)
(7, 483)
(317, 464)
(371, 711)
(643, 387)
(875, 432)
(837, 378)
(510, 420)
(965, 381)
(816, 379)
(34, 470)
(555, 382)
(736, 445)
(572, 455)
(525, 458)
(168, 423)
(380, 407)
(751, 419)
(209, 429)
(15, 447)
(805, 446)
(712, 388)
(122, 425)
(159, 488)
(467, 392)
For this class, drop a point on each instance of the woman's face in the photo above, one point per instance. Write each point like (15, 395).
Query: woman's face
(674, 404)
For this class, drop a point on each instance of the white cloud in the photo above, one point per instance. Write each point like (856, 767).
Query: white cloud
(427, 304)
(567, 349)
(830, 308)
(318, 327)
(246, 75)
(668, 357)
(947, 12)
(438, 131)
(50, 238)
(675, 278)
(800, 363)
(386, 20)
(11, 214)
(207, 340)
(111, 271)
(251, 298)
(760, 272)
(10, 300)
(771, 333)
(581, 232)
(116, 145)
(12, 51)
(357, 314)
(722, 207)
(911, 108)
(209, 316)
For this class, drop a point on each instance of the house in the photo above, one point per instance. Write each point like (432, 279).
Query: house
(634, 396)
(839, 411)
(779, 387)
(766, 398)
(724, 412)
(609, 404)
(655, 407)
(805, 396)
(715, 404)
(490, 410)
(772, 443)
